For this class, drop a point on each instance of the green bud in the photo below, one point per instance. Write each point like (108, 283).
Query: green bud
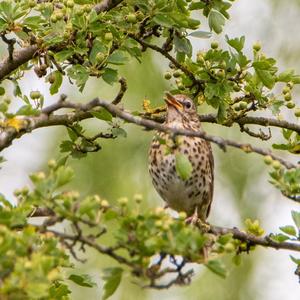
(214, 45)
(177, 73)
(35, 94)
(286, 90)
(297, 112)
(70, 3)
(168, 75)
(104, 204)
(123, 201)
(268, 159)
(52, 164)
(108, 36)
(131, 18)
(288, 97)
(276, 165)
(243, 105)
(2, 91)
(290, 105)
(256, 46)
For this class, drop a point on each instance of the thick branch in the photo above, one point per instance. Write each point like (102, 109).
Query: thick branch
(83, 112)
(255, 240)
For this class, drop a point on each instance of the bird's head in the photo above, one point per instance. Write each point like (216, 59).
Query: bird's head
(180, 108)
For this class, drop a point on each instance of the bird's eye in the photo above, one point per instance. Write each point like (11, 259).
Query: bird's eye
(188, 105)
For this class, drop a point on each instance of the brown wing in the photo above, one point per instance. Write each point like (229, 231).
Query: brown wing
(211, 188)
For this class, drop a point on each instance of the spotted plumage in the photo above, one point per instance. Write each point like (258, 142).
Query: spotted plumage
(193, 195)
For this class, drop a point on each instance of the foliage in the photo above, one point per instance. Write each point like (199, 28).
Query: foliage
(77, 40)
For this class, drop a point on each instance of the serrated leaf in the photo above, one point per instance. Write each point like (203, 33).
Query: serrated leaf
(279, 237)
(63, 55)
(296, 218)
(82, 280)
(183, 166)
(183, 45)
(266, 78)
(164, 20)
(216, 21)
(118, 58)
(102, 114)
(236, 43)
(112, 277)
(286, 76)
(63, 175)
(289, 229)
(201, 34)
(217, 267)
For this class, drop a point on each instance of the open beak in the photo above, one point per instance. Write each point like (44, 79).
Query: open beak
(170, 100)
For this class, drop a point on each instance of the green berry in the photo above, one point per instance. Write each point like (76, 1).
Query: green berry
(51, 78)
(221, 73)
(290, 105)
(168, 75)
(70, 3)
(31, 3)
(59, 15)
(139, 15)
(131, 18)
(2, 91)
(87, 8)
(243, 105)
(297, 112)
(53, 18)
(35, 94)
(108, 36)
(177, 73)
(276, 165)
(256, 46)
(286, 90)
(236, 88)
(290, 84)
(214, 45)
(288, 97)
(268, 159)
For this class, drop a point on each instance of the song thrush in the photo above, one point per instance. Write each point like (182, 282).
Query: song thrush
(193, 195)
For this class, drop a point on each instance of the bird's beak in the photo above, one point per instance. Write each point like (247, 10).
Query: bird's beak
(170, 100)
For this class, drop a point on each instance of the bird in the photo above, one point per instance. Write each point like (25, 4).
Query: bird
(191, 195)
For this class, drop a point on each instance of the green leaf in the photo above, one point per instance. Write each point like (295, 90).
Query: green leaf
(279, 237)
(112, 277)
(183, 166)
(201, 34)
(295, 260)
(217, 267)
(63, 175)
(236, 43)
(58, 78)
(164, 20)
(183, 45)
(110, 76)
(216, 21)
(118, 58)
(266, 78)
(102, 114)
(286, 76)
(119, 132)
(34, 22)
(63, 55)
(289, 229)
(296, 218)
(80, 74)
(82, 280)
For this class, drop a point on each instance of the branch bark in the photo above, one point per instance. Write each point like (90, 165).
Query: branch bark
(83, 111)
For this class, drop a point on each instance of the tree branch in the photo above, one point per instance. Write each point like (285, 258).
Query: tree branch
(83, 111)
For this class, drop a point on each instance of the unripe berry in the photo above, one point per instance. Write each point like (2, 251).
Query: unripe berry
(31, 3)
(51, 78)
(53, 18)
(286, 90)
(290, 105)
(276, 165)
(52, 164)
(288, 97)
(168, 75)
(268, 159)
(236, 88)
(2, 91)
(297, 112)
(243, 105)
(182, 215)
(221, 73)
(108, 36)
(139, 15)
(35, 94)
(177, 73)
(214, 45)
(123, 201)
(59, 15)
(200, 57)
(87, 8)
(70, 3)
(256, 46)
(104, 204)
(131, 18)
(290, 84)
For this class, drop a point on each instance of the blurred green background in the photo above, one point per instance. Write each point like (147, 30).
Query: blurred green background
(120, 168)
